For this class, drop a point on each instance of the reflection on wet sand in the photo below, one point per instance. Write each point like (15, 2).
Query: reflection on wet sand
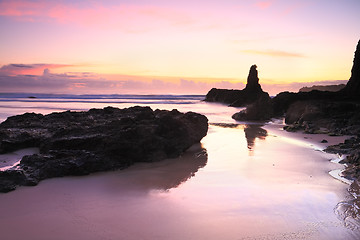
(162, 175)
(252, 132)
(348, 211)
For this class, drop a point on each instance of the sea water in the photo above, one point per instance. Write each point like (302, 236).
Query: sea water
(245, 180)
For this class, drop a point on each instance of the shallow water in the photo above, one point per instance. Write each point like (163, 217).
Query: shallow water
(245, 181)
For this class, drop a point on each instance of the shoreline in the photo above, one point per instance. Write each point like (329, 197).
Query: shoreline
(227, 191)
(348, 209)
(316, 141)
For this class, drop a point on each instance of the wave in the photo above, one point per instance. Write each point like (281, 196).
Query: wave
(100, 96)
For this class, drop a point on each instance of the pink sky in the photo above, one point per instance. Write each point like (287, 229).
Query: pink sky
(173, 46)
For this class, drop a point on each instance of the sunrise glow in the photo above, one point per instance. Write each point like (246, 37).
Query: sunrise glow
(174, 46)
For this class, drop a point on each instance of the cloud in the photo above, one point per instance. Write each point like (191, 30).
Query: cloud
(28, 69)
(14, 79)
(273, 53)
(92, 83)
(126, 17)
(17, 78)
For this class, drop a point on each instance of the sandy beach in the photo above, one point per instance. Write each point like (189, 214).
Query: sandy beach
(245, 182)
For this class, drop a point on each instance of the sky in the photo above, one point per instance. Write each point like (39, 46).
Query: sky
(164, 46)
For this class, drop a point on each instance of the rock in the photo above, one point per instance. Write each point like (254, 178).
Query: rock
(253, 80)
(303, 111)
(331, 117)
(239, 98)
(351, 147)
(324, 141)
(260, 110)
(329, 88)
(351, 92)
(79, 143)
(10, 179)
(352, 88)
(338, 112)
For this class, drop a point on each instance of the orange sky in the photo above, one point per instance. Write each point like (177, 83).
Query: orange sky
(174, 46)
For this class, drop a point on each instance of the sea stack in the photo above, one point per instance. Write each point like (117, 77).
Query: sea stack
(239, 98)
(253, 80)
(259, 110)
(352, 88)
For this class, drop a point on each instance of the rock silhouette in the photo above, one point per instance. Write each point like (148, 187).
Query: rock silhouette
(351, 92)
(79, 143)
(333, 113)
(239, 98)
(352, 88)
(253, 80)
(329, 88)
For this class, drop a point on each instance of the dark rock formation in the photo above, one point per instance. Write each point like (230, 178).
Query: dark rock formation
(260, 110)
(352, 88)
(253, 80)
(351, 147)
(258, 102)
(78, 143)
(351, 92)
(329, 88)
(333, 113)
(239, 98)
(325, 109)
(329, 117)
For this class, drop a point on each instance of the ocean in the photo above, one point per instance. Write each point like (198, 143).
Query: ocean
(245, 180)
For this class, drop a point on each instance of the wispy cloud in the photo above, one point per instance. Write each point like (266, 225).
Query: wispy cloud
(28, 69)
(126, 17)
(20, 77)
(274, 53)
(88, 82)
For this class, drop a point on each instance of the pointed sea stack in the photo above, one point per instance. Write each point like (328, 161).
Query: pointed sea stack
(352, 88)
(252, 84)
(239, 98)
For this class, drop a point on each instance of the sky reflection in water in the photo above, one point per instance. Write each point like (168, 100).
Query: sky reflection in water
(242, 182)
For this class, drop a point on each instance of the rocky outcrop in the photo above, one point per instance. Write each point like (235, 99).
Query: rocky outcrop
(260, 110)
(351, 92)
(329, 117)
(239, 98)
(351, 147)
(322, 108)
(352, 88)
(333, 113)
(329, 88)
(78, 143)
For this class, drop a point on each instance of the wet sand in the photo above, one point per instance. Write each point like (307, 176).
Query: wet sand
(10, 160)
(245, 182)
